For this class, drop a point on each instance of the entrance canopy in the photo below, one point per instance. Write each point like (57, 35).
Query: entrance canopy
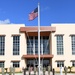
(33, 31)
(36, 56)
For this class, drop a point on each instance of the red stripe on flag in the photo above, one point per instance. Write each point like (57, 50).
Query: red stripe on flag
(33, 14)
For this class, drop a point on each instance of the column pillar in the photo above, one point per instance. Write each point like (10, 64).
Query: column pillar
(51, 48)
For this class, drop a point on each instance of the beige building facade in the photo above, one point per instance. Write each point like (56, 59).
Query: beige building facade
(16, 50)
(63, 45)
(7, 32)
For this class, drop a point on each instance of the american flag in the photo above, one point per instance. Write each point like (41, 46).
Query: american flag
(33, 14)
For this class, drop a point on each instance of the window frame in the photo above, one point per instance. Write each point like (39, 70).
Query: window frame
(59, 44)
(60, 63)
(73, 44)
(2, 45)
(2, 64)
(16, 64)
(16, 45)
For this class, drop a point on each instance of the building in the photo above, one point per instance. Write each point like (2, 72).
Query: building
(19, 45)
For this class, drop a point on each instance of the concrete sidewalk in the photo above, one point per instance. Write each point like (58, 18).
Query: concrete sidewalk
(41, 73)
(46, 73)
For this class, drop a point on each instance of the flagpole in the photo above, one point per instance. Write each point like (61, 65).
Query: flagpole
(39, 38)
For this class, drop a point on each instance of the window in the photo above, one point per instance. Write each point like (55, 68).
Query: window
(73, 44)
(16, 45)
(16, 64)
(36, 45)
(46, 45)
(73, 63)
(2, 45)
(32, 43)
(60, 63)
(59, 39)
(1, 64)
(34, 62)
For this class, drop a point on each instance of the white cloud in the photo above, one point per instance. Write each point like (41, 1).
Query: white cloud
(7, 21)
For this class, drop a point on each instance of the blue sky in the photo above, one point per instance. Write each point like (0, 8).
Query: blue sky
(52, 11)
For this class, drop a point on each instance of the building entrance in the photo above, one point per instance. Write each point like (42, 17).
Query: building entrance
(34, 62)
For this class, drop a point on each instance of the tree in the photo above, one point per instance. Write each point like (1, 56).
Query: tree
(70, 68)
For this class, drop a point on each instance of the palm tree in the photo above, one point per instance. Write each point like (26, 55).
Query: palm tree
(70, 68)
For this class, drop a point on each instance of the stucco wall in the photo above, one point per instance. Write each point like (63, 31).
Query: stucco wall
(66, 30)
(8, 30)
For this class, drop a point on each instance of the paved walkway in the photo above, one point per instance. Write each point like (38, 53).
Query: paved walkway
(47, 74)
(55, 74)
(32, 73)
(41, 74)
(64, 74)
